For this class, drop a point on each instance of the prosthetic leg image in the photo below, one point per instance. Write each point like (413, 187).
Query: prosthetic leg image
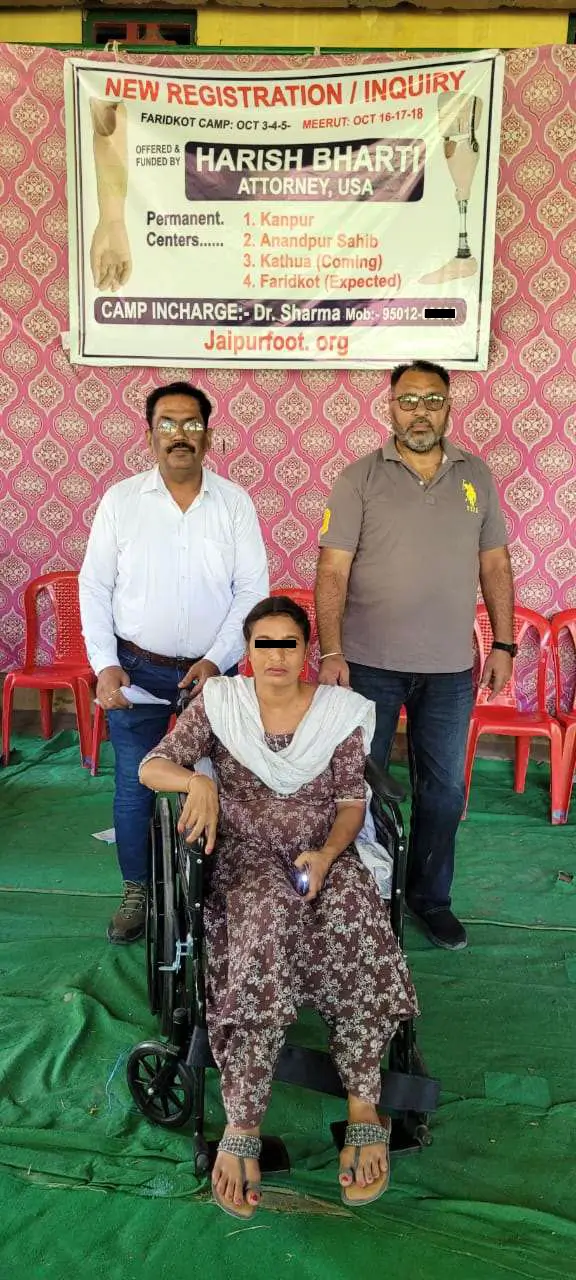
(458, 118)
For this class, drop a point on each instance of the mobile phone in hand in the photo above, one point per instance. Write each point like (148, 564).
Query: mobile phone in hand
(301, 877)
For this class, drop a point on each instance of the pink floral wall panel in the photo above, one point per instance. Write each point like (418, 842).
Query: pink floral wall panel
(67, 433)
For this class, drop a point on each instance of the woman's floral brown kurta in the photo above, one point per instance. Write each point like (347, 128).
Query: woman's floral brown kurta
(268, 951)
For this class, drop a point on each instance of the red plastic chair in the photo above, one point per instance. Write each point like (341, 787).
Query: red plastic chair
(565, 621)
(503, 716)
(69, 669)
(99, 733)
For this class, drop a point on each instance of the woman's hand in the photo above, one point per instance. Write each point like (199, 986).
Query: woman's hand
(318, 864)
(200, 812)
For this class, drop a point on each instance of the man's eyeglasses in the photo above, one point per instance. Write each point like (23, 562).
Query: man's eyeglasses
(167, 427)
(433, 401)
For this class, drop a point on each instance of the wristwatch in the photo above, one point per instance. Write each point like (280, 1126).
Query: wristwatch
(512, 649)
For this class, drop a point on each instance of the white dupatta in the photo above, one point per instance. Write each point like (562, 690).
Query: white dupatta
(334, 713)
(233, 712)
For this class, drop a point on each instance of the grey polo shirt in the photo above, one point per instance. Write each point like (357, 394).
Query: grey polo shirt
(414, 578)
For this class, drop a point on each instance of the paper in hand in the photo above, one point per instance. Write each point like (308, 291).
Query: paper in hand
(140, 697)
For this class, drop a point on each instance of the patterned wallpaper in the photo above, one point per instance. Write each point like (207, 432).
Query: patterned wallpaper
(67, 433)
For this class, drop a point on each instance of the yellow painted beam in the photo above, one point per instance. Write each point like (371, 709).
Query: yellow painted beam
(40, 26)
(373, 28)
(352, 28)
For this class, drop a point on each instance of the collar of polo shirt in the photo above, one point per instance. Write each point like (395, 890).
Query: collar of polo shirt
(389, 452)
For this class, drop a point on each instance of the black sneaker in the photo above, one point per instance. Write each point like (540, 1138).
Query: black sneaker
(127, 923)
(442, 928)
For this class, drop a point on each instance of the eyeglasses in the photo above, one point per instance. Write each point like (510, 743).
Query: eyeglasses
(167, 427)
(432, 401)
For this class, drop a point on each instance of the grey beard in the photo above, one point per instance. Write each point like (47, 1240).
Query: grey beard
(419, 446)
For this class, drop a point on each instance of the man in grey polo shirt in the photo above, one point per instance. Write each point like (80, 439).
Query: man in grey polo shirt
(407, 533)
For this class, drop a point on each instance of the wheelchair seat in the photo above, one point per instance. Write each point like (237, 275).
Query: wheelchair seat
(167, 1078)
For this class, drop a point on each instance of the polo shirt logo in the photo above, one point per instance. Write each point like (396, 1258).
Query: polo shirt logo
(470, 497)
(325, 521)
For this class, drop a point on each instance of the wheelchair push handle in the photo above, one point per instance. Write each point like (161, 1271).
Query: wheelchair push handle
(184, 697)
(384, 786)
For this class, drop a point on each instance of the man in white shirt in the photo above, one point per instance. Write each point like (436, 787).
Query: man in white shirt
(175, 561)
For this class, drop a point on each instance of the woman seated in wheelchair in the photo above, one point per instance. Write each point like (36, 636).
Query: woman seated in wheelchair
(292, 916)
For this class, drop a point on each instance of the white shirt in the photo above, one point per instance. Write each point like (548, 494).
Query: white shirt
(179, 583)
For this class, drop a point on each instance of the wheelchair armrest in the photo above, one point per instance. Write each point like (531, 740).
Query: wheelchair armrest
(186, 851)
(181, 799)
(383, 785)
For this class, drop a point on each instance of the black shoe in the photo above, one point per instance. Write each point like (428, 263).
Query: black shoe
(442, 928)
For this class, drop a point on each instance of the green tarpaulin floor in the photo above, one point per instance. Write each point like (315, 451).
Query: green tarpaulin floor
(88, 1188)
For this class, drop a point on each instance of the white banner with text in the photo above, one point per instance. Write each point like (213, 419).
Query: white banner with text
(340, 218)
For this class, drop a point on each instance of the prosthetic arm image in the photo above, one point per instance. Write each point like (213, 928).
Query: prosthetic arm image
(110, 257)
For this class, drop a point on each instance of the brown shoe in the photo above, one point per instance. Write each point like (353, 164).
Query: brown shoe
(127, 923)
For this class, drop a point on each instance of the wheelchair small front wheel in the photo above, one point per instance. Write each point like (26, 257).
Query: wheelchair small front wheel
(160, 1084)
(201, 1158)
(423, 1135)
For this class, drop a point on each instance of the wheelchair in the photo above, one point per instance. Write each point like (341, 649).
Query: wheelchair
(166, 1078)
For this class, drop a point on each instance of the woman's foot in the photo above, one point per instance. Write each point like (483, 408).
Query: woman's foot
(364, 1163)
(236, 1172)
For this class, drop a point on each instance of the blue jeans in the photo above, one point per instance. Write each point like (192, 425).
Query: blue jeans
(438, 709)
(133, 734)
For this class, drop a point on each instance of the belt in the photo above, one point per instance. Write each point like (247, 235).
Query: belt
(158, 659)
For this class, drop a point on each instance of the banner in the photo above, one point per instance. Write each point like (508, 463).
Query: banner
(343, 218)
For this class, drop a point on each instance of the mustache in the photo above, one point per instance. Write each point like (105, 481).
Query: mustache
(181, 444)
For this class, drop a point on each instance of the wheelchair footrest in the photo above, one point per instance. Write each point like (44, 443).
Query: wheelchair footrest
(274, 1156)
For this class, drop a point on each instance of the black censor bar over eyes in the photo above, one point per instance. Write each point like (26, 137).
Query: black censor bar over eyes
(275, 644)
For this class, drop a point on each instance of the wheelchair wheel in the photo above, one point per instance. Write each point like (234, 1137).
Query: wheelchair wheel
(153, 918)
(170, 925)
(160, 1085)
(162, 918)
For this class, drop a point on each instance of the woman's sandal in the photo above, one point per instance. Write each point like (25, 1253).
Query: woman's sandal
(366, 1135)
(245, 1146)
